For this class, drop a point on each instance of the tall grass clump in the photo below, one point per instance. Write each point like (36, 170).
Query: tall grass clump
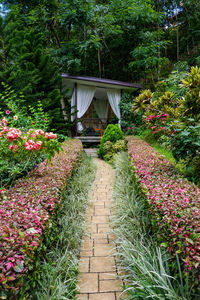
(144, 265)
(56, 274)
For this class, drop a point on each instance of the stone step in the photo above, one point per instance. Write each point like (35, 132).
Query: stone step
(89, 139)
(91, 152)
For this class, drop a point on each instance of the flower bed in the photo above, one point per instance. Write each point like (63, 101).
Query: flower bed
(174, 203)
(25, 212)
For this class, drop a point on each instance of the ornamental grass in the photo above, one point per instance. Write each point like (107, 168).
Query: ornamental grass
(174, 204)
(26, 210)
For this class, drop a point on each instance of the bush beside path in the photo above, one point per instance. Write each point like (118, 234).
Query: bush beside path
(25, 213)
(173, 203)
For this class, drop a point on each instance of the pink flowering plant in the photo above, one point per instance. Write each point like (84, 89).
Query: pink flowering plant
(157, 124)
(174, 205)
(20, 148)
(26, 210)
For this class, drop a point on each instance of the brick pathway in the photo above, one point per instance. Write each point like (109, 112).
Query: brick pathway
(98, 270)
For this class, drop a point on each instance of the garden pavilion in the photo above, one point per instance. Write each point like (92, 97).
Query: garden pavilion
(95, 102)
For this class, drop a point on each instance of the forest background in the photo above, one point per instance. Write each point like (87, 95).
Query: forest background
(155, 43)
(132, 40)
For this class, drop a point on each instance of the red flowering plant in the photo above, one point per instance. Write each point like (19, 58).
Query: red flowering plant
(130, 130)
(157, 124)
(20, 147)
(174, 204)
(25, 214)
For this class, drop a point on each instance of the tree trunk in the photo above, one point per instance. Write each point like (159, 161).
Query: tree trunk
(99, 62)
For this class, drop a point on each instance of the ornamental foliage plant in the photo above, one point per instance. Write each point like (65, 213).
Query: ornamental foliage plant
(192, 97)
(174, 207)
(112, 134)
(25, 216)
(172, 120)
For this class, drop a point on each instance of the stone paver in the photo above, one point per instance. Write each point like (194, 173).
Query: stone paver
(102, 296)
(97, 270)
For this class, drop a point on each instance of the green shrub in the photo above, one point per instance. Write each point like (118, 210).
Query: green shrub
(111, 149)
(107, 147)
(120, 146)
(112, 133)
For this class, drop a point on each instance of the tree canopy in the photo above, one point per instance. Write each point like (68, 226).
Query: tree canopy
(133, 40)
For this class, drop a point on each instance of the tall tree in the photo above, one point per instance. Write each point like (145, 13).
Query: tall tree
(30, 69)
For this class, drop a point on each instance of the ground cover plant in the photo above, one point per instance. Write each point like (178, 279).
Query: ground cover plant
(25, 214)
(55, 275)
(144, 264)
(173, 204)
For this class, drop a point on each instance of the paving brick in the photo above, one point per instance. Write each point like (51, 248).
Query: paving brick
(102, 211)
(100, 241)
(120, 296)
(89, 211)
(94, 228)
(107, 276)
(87, 245)
(103, 228)
(104, 250)
(102, 296)
(84, 264)
(100, 219)
(110, 285)
(88, 283)
(99, 236)
(102, 264)
(100, 206)
(86, 253)
(82, 297)
(99, 203)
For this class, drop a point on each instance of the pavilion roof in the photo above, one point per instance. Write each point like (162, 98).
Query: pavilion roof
(100, 82)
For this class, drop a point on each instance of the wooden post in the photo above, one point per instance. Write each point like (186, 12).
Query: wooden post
(75, 94)
(63, 109)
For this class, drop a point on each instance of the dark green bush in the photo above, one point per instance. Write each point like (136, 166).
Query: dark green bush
(112, 133)
(131, 121)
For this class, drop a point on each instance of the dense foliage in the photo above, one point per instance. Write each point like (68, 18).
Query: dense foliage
(171, 114)
(127, 40)
(174, 206)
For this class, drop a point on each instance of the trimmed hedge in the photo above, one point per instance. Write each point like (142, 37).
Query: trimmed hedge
(174, 204)
(25, 213)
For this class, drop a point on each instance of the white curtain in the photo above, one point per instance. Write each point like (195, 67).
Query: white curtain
(114, 97)
(101, 107)
(85, 95)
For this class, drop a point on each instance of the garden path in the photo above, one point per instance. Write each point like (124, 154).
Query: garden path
(98, 270)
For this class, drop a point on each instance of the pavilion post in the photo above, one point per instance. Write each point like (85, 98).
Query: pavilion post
(63, 109)
(76, 100)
